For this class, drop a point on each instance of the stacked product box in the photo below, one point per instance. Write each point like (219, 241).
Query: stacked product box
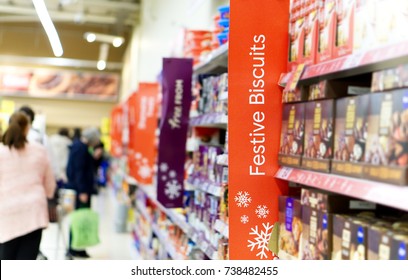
(327, 30)
(197, 44)
(386, 154)
(350, 135)
(318, 139)
(350, 237)
(293, 126)
(214, 95)
(290, 230)
(387, 242)
(222, 30)
(389, 79)
(345, 12)
(318, 208)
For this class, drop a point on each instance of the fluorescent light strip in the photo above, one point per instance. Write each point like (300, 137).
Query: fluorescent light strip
(49, 27)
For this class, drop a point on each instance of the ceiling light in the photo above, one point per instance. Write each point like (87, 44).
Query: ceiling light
(49, 27)
(116, 41)
(101, 65)
(90, 37)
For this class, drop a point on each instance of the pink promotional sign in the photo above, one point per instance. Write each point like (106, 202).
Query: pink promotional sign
(176, 86)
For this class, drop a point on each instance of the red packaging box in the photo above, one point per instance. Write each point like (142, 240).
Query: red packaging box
(327, 30)
(309, 34)
(364, 25)
(345, 10)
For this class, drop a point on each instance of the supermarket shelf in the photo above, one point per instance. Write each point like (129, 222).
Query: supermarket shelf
(210, 120)
(222, 228)
(134, 253)
(205, 246)
(162, 237)
(385, 194)
(358, 63)
(177, 218)
(222, 159)
(215, 63)
(170, 249)
(205, 186)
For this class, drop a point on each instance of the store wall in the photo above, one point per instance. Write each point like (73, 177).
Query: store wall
(66, 113)
(160, 35)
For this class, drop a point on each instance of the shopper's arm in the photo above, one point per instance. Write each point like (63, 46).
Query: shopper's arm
(49, 179)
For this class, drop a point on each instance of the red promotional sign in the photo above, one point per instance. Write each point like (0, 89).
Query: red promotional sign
(257, 57)
(116, 131)
(142, 126)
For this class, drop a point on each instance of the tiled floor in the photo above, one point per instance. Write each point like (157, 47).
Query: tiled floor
(113, 246)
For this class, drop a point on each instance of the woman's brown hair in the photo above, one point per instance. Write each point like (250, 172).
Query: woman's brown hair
(15, 137)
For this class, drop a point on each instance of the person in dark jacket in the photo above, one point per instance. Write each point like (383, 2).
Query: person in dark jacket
(80, 174)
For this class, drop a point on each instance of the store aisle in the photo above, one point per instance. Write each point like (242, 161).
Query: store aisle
(113, 246)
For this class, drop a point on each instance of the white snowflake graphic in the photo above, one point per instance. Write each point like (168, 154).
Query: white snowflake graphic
(262, 211)
(173, 189)
(164, 178)
(261, 240)
(244, 219)
(172, 174)
(243, 199)
(145, 171)
(138, 155)
(144, 160)
(164, 167)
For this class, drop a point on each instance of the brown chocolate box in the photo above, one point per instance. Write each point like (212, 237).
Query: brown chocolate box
(350, 135)
(290, 215)
(350, 238)
(319, 130)
(385, 243)
(293, 126)
(386, 155)
(317, 220)
(388, 79)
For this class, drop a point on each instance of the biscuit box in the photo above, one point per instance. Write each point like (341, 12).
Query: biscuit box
(293, 126)
(386, 155)
(350, 237)
(379, 241)
(290, 230)
(327, 30)
(388, 79)
(318, 139)
(364, 25)
(318, 208)
(350, 135)
(327, 90)
(345, 11)
(310, 32)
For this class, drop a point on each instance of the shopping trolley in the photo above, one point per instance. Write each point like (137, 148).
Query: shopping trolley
(65, 205)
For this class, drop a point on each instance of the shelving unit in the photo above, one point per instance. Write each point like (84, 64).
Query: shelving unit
(205, 186)
(385, 194)
(218, 120)
(215, 63)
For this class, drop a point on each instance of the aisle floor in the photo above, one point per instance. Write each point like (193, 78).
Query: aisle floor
(113, 246)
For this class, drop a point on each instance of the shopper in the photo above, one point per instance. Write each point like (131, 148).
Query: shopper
(35, 136)
(60, 144)
(26, 180)
(80, 173)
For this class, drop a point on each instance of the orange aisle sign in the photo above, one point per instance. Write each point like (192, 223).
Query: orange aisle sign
(258, 46)
(116, 131)
(142, 127)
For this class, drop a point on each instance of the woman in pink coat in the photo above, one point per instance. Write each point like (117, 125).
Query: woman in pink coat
(26, 180)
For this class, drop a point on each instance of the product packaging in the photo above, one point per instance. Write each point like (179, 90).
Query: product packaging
(318, 139)
(318, 208)
(345, 10)
(293, 126)
(327, 30)
(386, 155)
(350, 237)
(387, 243)
(364, 25)
(388, 79)
(290, 230)
(350, 135)
(309, 33)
